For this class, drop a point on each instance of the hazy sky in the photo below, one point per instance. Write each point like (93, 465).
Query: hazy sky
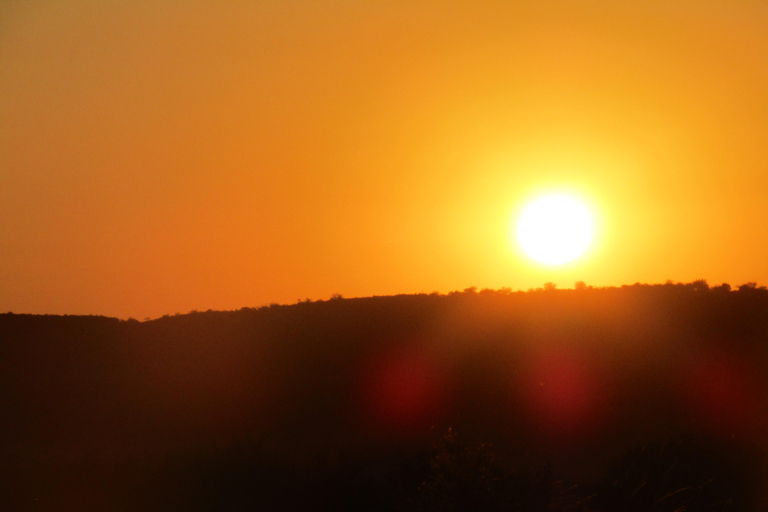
(162, 156)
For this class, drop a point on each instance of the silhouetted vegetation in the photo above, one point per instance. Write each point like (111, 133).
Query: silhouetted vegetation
(638, 398)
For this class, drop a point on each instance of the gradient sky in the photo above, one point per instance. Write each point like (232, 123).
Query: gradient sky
(162, 156)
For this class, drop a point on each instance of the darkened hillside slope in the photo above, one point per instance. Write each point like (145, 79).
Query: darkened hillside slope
(352, 392)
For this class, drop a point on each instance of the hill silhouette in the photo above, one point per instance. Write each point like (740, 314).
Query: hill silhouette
(641, 397)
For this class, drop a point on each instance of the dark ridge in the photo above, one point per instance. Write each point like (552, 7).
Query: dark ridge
(640, 397)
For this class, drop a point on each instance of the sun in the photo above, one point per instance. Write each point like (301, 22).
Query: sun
(555, 229)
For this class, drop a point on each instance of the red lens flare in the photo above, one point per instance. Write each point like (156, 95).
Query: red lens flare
(404, 392)
(564, 393)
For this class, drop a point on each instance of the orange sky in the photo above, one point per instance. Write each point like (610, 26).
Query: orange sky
(163, 156)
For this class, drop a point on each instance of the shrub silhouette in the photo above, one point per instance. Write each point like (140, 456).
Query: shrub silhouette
(676, 475)
(473, 476)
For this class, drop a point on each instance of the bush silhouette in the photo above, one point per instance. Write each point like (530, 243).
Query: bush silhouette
(472, 476)
(681, 474)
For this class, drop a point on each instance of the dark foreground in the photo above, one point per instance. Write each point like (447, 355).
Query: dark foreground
(640, 398)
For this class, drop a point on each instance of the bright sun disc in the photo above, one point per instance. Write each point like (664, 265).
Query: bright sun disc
(555, 229)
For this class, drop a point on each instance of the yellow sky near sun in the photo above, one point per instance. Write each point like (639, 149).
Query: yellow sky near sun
(158, 157)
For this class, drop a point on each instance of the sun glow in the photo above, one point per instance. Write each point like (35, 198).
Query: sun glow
(555, 229)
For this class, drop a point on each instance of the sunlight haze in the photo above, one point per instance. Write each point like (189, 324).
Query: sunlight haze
(159, 157)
